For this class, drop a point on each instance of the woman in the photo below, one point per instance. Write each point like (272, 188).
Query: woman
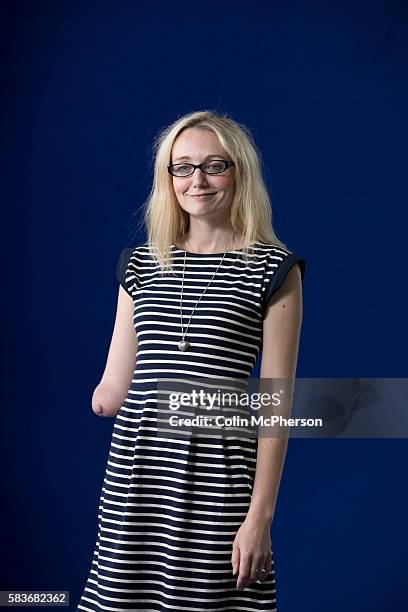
(185, 524)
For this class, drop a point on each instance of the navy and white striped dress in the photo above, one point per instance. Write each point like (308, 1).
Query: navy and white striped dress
(170, 509)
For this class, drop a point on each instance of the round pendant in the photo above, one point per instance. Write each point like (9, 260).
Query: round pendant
(183, 345)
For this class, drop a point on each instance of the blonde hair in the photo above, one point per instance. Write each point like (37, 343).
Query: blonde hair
(251, 213)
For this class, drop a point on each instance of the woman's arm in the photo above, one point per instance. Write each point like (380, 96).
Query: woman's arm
(281, 334)
(115, 382)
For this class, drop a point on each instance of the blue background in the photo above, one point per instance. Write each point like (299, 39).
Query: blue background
(86, 87)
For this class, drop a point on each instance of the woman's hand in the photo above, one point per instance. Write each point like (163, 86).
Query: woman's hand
(252, 550)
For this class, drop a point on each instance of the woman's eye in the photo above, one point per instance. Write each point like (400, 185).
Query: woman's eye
(214, 166)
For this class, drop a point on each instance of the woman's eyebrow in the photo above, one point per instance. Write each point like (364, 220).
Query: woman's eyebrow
(206, 157)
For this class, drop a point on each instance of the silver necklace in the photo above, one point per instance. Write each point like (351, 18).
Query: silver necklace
(184, 344)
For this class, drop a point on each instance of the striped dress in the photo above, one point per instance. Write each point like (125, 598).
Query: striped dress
(170, 508)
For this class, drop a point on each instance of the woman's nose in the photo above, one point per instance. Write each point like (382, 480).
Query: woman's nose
(199, 177)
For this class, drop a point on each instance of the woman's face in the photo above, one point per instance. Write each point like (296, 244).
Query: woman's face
(195, 145)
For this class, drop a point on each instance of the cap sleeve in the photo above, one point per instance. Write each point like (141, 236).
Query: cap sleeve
(278, 267)
(121, 270)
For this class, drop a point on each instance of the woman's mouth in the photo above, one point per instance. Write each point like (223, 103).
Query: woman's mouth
(201, 195)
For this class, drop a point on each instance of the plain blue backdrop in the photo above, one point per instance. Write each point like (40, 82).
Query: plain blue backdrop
(86, 86)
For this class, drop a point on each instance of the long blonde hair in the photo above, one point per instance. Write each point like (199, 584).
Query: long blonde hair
(251, 212)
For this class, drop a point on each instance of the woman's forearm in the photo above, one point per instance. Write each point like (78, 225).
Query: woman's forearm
(107, 400)
(269, 466)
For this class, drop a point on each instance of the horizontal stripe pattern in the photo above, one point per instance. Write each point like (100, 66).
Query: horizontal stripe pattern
(170, 507)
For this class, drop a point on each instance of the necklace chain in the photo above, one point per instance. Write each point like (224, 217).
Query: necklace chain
(183, 344)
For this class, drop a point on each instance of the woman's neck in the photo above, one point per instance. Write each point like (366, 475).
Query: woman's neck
(212, 244)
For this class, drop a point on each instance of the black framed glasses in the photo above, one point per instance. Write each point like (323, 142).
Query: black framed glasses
(213, 166)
